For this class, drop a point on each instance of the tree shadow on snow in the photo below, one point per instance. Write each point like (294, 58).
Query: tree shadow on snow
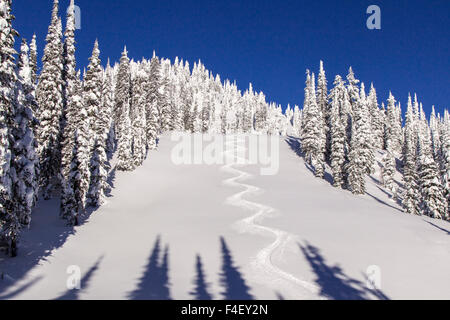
(294, 144)
(74, 294)
(48, 232)
(20, 290)
(200, 291)
(438, 227)
(154, 283)
(382, 202)
(231, 279)
(334, 283)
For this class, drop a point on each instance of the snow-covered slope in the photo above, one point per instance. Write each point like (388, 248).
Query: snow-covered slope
(288, 235)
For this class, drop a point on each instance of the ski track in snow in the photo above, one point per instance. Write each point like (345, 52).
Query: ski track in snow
(264, 270)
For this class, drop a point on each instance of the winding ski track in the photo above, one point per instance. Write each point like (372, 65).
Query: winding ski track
(264, 270)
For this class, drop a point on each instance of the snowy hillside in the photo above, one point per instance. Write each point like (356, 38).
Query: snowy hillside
(288, 235)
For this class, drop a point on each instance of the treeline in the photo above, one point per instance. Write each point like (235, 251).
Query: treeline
(59, 128)
(344, 127)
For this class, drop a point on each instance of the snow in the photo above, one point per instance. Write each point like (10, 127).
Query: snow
(291, 235)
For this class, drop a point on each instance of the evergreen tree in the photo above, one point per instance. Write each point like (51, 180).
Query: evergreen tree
(123, 91)
(49, 94)
(99, 174)
(359, 159)
(376, 118)
(92, 98)
(153, 99)
(138, 117)
(366, 138)
(313, 134)
(337, 132)
(99, 117)
(445, 159)
(434, 202)
(164, 108)
(108, 107)
(388, 170)
(393, 129)
(33, 61)
(25, 161)
(9, 221)
(77, 154)
(323, 104)
(411, 195)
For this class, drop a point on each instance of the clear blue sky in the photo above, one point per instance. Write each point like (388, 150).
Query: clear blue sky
(272, 42)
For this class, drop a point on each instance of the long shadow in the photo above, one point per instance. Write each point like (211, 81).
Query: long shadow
(154, 283)
(21, 289)
(333, 282)
(48, 233)
(74, 294)
(111, 180)
(200, 291)
(294, 144)
(383, 202)
(440, 228)
(231, 279)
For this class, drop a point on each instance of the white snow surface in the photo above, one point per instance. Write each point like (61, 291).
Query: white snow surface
(290, 235)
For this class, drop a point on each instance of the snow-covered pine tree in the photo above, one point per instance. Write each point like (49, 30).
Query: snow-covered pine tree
(49, 94)
(434, 203)
(122, 92)
(388, 170)
(393, 130)
(92, 98)
(153, 99)
(83, 155)
(124, 132)
(164, 108)
(337, 132)
(358, 159)
(411, 196)
(376, 123)
(25, 161)
(352, 89)
(367, 141)
(9, 221)
(313, 133)
(138, 117)
(435, 139)
(99, 117)
(108, 106)
(261, 114)
(445, 158)
(99, 174)
(33, 60)
(323, 104)
(76, 152)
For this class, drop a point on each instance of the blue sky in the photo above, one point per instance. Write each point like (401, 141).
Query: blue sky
(271, 43)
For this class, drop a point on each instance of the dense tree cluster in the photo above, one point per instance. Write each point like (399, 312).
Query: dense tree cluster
(59, 131)
(346, 127)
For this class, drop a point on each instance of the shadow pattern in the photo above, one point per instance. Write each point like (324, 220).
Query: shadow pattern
(74, 294)
(334, 283)
(200, 291)
(231, 279)
(154, 283)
